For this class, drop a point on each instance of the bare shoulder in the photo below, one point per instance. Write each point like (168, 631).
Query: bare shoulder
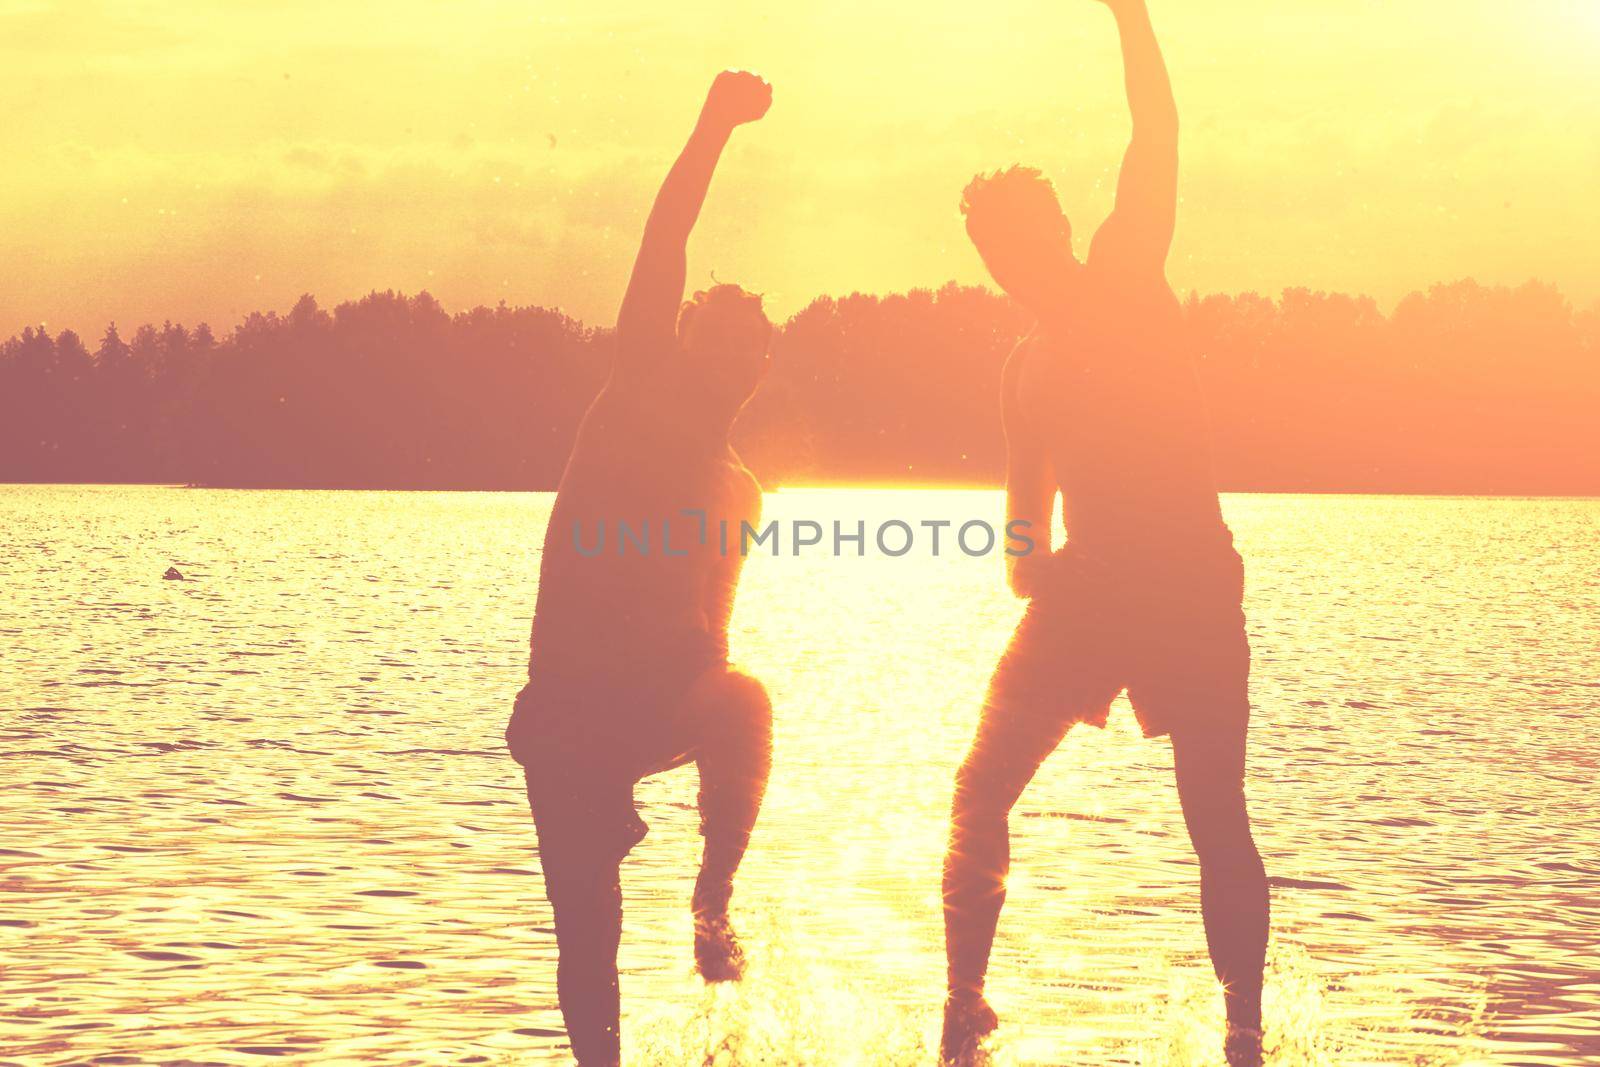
(1106, 246)
(1119, 274)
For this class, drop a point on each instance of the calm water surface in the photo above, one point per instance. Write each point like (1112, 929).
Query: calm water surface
(265, 812)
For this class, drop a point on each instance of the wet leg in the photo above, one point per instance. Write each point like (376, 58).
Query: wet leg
(588, 911)
(1004, 756)
(732, 719)
(1233, 883)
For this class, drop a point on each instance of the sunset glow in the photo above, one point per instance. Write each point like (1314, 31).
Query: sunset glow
(1045, 532)
(197, 162)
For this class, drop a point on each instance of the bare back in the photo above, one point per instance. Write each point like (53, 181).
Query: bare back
(631, 570)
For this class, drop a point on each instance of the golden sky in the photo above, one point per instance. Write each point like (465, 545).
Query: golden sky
(197, 161)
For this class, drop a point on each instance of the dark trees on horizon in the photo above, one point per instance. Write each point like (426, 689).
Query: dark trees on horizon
(1464, 388)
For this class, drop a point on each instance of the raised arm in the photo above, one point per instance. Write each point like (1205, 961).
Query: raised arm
(1138, 232)
(648, 319)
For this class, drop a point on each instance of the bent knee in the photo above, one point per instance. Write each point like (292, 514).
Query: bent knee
(736, 705)
(747, 695)
(735, 694)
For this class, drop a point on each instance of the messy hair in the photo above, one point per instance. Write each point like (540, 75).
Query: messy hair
(735, 305)
(1008, 202)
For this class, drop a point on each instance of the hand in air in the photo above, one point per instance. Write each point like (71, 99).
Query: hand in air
(737, 97)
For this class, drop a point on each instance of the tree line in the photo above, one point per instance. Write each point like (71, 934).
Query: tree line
(1462, 388)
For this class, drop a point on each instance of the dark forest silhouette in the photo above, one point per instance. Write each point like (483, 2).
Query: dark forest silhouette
(1464, 388)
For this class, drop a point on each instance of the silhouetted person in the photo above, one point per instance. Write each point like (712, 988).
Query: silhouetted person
(629, 670)
(1100, 402)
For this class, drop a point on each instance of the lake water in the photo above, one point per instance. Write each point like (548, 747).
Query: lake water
(265, 811)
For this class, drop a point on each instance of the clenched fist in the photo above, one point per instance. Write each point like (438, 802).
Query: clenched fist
(737, 97)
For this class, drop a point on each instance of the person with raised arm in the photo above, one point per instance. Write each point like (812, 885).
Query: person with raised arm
(628, 673)
(1101, 404)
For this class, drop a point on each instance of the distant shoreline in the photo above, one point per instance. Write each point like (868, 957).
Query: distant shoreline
(1461, 390)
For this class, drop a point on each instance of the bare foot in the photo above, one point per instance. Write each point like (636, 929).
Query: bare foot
(1242, 1046)
(968, 1019)
(717, 955)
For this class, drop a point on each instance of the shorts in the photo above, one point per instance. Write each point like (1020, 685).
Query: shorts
(585, 739)
(1172, 634)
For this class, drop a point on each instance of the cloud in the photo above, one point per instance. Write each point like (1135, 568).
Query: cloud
(202, 160)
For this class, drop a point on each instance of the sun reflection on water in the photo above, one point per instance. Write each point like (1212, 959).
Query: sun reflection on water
(266, 810)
